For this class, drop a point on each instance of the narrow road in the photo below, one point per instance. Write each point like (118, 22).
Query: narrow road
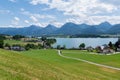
(59, 53)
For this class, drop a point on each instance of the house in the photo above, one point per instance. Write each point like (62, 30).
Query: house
(89, 49)
(108, 50)
(17, 48)
(98, 49)
(105, 49)
(118, 49)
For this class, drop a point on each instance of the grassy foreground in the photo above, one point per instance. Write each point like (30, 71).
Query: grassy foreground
(47, 65)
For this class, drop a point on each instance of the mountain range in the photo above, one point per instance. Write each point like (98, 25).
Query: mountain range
(67, 29)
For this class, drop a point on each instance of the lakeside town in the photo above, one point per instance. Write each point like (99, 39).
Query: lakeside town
(22, 43)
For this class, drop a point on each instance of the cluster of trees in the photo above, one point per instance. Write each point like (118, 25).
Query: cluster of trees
(117, 45)
(114, 46)
(47, 42)
(33, 46)
(2, 38)
(18, 37)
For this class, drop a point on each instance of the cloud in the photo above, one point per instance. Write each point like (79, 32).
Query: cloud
(56, 23)
(94, 20)
(112, 19)
(39, 16)
(4, 11)
(34, 18)
(26, 21)
(114, 2)
(35, 21)
(77, 6)
(80, 11)
(13, 0)
(16, 19)
(15, 22)
(35, 2)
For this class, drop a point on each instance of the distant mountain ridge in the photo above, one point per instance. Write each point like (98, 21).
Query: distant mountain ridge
(67, 29)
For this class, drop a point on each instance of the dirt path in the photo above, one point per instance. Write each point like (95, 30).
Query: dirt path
(59, 53)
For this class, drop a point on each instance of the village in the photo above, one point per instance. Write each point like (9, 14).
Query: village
(26, 43)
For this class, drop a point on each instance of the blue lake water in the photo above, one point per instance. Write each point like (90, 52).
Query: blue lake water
(75, 42)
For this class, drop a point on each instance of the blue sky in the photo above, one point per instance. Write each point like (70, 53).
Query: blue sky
(23, 13)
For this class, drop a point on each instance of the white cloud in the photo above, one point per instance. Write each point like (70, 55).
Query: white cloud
(38, 16)
(35, 21)
(94, 20)
(26, 21)
(35, 2)
(34, 18)
(112, 19)
(77, 6)
(88, 11)
(15, 22)
(56, 23)
(16, 19)
(13, 0)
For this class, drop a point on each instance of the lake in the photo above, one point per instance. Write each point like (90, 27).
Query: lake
(75, 42)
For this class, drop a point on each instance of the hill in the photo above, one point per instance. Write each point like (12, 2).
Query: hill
(42, 65)
(115, 29)
(67, 29)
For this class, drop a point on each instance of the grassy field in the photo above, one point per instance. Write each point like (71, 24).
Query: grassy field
(111, 60)
(12, 42)
(48, 65)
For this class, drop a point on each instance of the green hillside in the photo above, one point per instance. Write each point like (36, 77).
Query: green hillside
(47, 65)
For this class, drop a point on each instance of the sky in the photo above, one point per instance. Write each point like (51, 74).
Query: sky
(23, 13)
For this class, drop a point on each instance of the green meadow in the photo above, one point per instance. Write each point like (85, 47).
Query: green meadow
(22, 43)
(110, 60)
(48, 65)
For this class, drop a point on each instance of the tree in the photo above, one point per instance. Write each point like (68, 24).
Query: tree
(2, 37)
(43, 38)
(110, 45)
(58, 46)
(49, 42)
(64, 46)
(31, 46)
(117, 44)
(1, 43)
(44, 41)
(82, 46)
(40, 46)
(18, 37)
